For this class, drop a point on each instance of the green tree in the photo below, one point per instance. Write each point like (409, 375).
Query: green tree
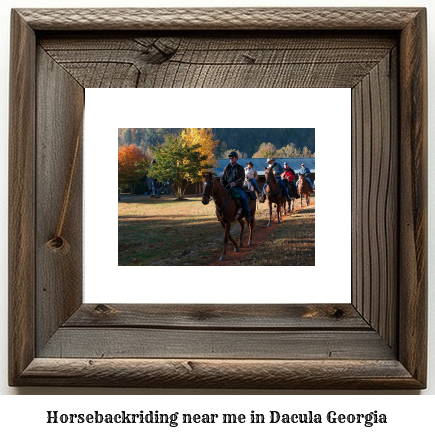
(223, 148)
(179, 162)
(128, 137)
(136, 135)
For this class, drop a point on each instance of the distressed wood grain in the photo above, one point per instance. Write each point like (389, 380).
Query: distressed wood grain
(252, 317)
(220, 18)
(227, 374)
(413, 197)
(21, 223)
(60, 106)
(236, 60)
(126, 342)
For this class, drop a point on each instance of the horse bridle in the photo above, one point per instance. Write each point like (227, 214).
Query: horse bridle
(268, 184)
(211, 196)
(211, 191)
(215, 200)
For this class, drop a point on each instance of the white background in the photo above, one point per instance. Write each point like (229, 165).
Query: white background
(327, 110)
(407, 412)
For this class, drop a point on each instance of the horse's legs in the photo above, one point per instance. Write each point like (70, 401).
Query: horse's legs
(230, 237)
(227, 227)
(278, 209)
(251, 225)
(242, 226)
(270, 212)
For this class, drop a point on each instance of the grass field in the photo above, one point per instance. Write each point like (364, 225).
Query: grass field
(168, 232)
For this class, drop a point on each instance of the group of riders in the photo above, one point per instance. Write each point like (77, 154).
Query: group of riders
(235, 175)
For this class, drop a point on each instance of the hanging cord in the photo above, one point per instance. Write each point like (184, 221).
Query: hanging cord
(58, 244)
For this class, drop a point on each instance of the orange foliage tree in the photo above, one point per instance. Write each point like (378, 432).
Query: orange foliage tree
(132, 165)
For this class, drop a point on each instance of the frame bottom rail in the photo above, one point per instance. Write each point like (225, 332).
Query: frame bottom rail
(229, 374)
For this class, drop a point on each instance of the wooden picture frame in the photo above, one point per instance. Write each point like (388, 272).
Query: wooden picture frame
(378, 341)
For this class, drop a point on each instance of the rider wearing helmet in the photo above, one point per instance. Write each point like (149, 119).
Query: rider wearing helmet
(234, 175)
(277, 170)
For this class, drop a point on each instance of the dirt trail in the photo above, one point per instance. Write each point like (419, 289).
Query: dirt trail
(260, 233)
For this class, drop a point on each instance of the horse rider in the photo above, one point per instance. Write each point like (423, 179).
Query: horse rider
(289, 175)
(251, 175)
(277, 170)
(234, 175)
(305, 171)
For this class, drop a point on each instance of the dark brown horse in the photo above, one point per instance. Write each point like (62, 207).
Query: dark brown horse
(227, 211)
(274, 193)
(304, 188)
(291, 204)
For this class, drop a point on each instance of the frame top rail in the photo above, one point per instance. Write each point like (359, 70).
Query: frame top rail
(220, 18)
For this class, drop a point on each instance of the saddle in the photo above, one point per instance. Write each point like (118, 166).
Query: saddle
(250, 195)
(234, 193)
(248, 187)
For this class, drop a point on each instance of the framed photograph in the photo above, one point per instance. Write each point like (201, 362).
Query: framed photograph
(377, 341)
(160, 234)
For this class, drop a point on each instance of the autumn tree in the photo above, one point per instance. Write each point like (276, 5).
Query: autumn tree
(266, 150)
(204, 138)
(132, 165)
(179, 162)
(289, 151)
(306, 153)
(239, 153)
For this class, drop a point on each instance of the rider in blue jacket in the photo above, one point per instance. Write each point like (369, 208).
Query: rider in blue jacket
(305, 171)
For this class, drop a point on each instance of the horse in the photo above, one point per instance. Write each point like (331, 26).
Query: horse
(304, 188)
(274, 193)
(227, 211)
(291, 205)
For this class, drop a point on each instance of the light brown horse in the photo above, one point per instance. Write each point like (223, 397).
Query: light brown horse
(304, 188)
(274, 193)
(227, 211)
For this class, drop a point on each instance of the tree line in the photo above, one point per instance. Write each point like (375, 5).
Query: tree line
(182, 155)
(247, 141)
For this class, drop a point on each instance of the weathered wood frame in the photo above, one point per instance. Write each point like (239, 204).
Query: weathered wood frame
(377, 341)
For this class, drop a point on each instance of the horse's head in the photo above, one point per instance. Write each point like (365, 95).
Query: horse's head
(269, 175)
(207, 188)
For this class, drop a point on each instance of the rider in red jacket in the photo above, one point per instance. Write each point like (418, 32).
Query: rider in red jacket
(289, 174)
